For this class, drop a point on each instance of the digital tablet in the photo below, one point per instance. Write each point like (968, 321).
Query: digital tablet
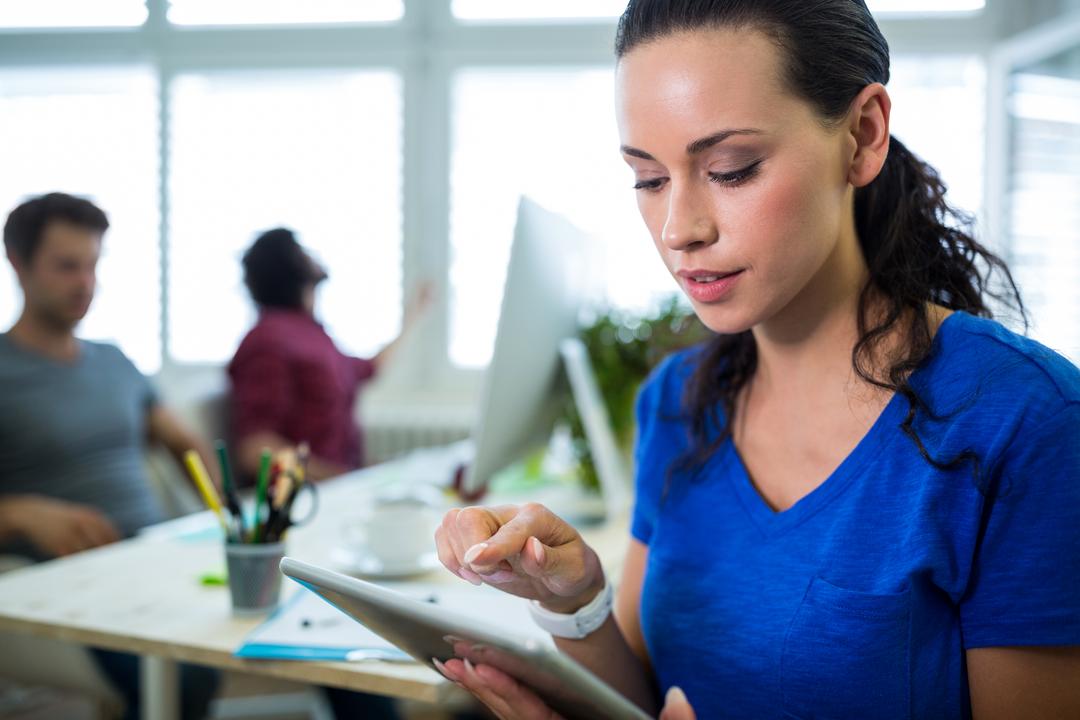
(425, 630)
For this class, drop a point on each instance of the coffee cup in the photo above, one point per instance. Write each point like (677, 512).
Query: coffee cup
(395, 532)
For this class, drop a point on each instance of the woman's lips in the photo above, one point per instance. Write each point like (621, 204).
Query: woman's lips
(707, 287)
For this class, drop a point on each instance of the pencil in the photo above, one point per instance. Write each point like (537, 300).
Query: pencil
(206, 488)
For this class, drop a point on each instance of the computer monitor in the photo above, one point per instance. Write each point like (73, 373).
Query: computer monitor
(542, 297)
(607, 459)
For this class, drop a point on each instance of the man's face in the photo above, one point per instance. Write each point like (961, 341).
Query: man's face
(59, 279)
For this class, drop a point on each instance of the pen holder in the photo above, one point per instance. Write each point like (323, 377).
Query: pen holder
(254, 577)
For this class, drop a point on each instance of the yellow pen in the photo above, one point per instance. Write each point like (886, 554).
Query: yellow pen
(198, 473)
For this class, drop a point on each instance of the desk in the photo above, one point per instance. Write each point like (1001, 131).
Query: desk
(143, 596)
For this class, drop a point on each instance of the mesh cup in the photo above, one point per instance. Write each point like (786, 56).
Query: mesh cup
(254, 577)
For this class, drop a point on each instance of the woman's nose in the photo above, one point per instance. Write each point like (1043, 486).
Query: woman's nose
(689, 221)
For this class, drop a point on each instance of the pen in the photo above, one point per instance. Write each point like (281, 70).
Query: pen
(260, 494)
(231, 498)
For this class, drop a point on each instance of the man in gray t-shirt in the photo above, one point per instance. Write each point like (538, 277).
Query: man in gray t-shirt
(75, 416)
(75, 431)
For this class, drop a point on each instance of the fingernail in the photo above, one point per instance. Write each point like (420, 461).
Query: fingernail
(469, 575)
(470, 669)
(675, 695)
(500, 576)
(442, 668)
(475, 550)
(538, 550)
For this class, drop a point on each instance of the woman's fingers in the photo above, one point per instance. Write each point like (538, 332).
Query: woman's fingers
(522, 701)
(475, 527)
(506, 697)
(676, 706)
(529, 520)
(448, 555)
(509, 544)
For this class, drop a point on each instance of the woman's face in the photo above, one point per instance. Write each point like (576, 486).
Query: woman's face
(741, 185)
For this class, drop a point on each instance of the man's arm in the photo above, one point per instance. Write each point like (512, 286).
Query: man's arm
(416, 309)
(164, 428)
(249, 454)
(54, 527)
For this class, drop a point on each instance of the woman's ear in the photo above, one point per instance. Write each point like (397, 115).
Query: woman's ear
(868, 125)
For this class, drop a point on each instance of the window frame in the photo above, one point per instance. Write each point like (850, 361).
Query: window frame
(426, 47)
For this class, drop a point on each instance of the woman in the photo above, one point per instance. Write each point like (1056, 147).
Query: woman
(862, 499)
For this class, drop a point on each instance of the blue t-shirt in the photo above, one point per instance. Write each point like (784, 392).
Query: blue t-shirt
(860, 600)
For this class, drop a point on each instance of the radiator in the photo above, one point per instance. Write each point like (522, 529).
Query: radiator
(391, 432)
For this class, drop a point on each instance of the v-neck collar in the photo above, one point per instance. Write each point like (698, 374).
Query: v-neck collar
(772, 522)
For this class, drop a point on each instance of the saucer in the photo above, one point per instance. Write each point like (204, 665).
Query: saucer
(353, 562)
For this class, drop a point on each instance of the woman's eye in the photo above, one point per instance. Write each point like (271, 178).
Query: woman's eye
(736, 177)
(653, 184)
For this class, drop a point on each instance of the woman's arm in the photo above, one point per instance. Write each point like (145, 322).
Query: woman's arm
(530, 552)
(1028, 682)
(616, 652)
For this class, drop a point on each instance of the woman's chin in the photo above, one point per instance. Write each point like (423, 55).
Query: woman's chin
(723, 320)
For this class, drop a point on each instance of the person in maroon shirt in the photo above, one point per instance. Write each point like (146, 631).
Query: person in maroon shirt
(289, 381)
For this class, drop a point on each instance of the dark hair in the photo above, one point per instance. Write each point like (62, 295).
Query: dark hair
(918, 249)
(276, 270)
(26, 224)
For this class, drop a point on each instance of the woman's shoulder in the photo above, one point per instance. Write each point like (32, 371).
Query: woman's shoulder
(664, 386)
(976, 358)
(993, 386)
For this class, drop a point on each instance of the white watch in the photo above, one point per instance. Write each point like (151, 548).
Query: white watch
(576, 625)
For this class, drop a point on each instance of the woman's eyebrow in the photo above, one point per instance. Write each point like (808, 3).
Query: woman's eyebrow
(634, 152)
(697, 146)
(702, 144)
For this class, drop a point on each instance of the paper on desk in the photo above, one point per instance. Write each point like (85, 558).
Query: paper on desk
(307, 627)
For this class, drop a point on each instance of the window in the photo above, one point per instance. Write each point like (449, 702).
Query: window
(925, 7)
(91, 132)
(316, 151)
(514, 133)
(1043, 212)
(537, 9)
(281, 12)
(71, 13)
(607, 9)
(953, 137)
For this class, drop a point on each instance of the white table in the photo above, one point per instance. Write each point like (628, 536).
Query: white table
(144, 596)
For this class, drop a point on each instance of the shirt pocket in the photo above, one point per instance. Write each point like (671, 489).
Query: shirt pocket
(846, 655)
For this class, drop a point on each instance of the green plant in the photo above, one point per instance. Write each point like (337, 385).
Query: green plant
(623, 349)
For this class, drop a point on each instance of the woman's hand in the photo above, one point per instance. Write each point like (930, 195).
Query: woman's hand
(524, 550)
(510, 700)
